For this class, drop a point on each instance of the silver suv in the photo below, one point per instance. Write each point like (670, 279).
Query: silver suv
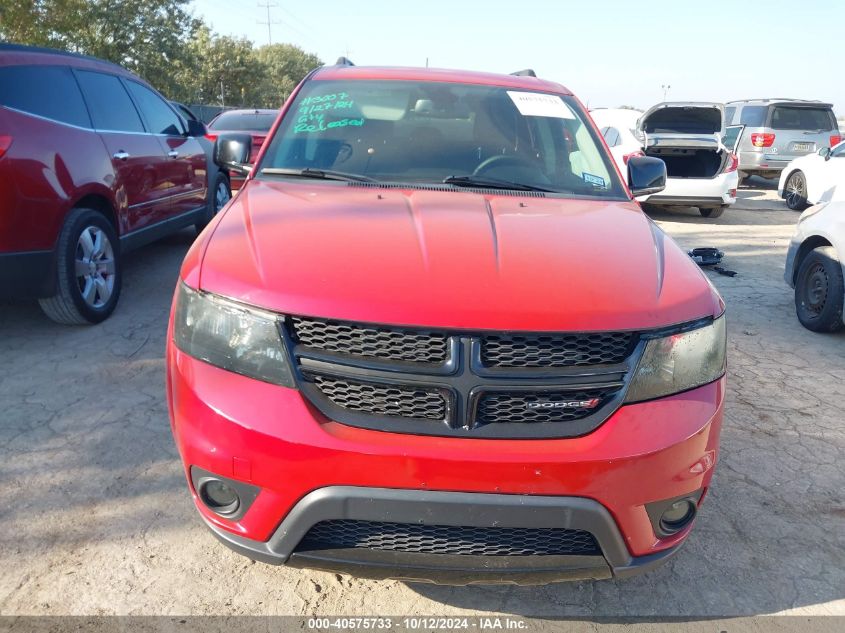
(778, 130)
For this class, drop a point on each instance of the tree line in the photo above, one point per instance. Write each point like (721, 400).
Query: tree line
(161, 41)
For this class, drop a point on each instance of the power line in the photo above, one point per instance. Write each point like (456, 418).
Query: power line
(268, 5)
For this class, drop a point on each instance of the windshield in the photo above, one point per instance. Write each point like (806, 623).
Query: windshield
(430, 132)
(243, 121)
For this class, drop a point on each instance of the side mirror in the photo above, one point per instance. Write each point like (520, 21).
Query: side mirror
(646, 175)
(824, 152)
(232, 152)
(196, 128)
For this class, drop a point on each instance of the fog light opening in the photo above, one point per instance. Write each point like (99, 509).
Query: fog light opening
(219, 496)
(677, 516)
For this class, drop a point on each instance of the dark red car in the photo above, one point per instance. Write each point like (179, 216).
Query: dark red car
(93, 162)
(435, 337)
(256, 123)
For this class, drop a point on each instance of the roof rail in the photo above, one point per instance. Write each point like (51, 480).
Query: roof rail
(527, 72)
(26, 48)
(343, 61)
(776, 99)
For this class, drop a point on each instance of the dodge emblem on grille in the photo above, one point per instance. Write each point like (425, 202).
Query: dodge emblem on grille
(592, 403)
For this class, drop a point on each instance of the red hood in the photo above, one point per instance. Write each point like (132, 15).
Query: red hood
(451, 259)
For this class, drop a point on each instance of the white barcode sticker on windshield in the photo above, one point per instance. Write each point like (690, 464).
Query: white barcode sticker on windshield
(539, 104)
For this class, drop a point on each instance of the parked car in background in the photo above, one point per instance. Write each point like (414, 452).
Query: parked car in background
(218, 179)
(256, 123)
(93, 162)
(815, 265)
(780, 130)
(810, 179)
(434, 337)
(618, 126)
(702, 171)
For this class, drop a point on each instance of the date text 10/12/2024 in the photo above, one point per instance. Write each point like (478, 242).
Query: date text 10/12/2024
(418, 623)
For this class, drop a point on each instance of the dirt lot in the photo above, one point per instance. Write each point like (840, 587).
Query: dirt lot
(96, 518)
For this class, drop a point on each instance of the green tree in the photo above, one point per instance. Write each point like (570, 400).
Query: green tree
(144, 36)
(51, 23)
(220, 70)
(285, 65)
(163, 43)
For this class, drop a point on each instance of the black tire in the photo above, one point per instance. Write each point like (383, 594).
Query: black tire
(712, 212)
(795, 191)
(84, 297)
(215, 201)
(820, 291)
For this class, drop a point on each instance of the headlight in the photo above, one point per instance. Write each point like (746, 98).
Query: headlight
(678, 362)
(231, 336)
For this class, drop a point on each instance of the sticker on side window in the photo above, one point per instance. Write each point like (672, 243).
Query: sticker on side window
(596, 181)
(539, 104)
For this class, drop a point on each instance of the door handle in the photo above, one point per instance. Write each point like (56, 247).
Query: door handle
(173, 153)
(121, 155)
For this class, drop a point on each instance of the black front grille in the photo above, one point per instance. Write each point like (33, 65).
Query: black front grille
(401, 401)
(531, 408)
(401, 379)
(446, 539)
(556, 350)
(387, 343)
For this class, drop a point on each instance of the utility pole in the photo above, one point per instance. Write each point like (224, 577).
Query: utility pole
(222, 95)
(268, 5)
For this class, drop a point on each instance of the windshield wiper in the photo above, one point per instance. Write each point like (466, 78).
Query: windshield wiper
(324, 174)
(492, 183)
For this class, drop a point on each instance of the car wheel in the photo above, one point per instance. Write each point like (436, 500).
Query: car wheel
(712, 212)
(820, 291)
(796, 191)
(220, 195)
(88, 272)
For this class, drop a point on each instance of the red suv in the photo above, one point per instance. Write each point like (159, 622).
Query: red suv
(434, 337)
(93, 162)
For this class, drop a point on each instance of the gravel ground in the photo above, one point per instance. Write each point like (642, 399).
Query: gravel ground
(96, 517)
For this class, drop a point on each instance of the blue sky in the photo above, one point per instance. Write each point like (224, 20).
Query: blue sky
(609, 52)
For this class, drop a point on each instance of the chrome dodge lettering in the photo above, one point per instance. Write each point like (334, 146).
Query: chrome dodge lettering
(570, 404)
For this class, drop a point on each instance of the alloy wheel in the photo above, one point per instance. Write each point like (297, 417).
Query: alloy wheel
(95, 267)
(796, 190)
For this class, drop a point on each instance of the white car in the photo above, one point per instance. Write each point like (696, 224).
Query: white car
(692, 140)
(815, 265)
(810, 179)
(702, 169)
(618, 126)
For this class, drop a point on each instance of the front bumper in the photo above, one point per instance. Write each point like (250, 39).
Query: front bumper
(274, 439)
(452, 509)
(791, 254)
